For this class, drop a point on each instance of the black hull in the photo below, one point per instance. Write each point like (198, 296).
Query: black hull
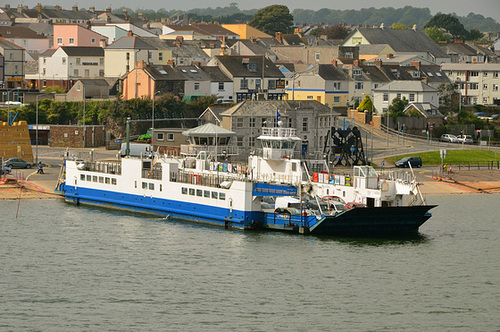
(374, 221)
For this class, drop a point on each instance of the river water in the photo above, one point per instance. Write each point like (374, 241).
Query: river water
(68, 268)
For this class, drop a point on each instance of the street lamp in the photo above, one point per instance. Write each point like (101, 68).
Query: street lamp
(153, 118)
(36, 129)
(8, 102)
(83, 90)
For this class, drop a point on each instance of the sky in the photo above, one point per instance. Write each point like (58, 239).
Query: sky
(487, 8)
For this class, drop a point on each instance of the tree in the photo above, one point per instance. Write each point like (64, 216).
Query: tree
(366, 104)
(272, 19)
(438, 34)
(397, 107)
(446, 92)
(475, 34)
(450, 23)
(398, 26)
(337, 31)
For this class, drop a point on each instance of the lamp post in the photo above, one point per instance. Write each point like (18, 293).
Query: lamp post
(153, 119)
(8, 102)
(36, 129)
(83, 90)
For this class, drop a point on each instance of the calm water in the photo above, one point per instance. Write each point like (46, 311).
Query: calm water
(68, 268)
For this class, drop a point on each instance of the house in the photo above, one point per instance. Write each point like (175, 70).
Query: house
(12, 66)
(371, 51)
(66, 65)
(245, 31)
(26, 38)
(220, 84)
(77, 35)
(196, 31)
(252, 76)
(197, 82)
(121, 56)
(402, 41)
(251, 47)
(311, 119)
(145, 80)
(88, 89)
(468, 52)
(43, 14)
(169, 140)
(213, 113)
(112, 32)
(478, 82)
(314, 54)
(413, 91)
(426, 111)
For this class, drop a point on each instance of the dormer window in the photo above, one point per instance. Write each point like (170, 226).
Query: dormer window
(252, 67)
(416, 74)
(356, 72)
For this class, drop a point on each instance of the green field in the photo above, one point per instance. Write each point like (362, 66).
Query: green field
(453, 157)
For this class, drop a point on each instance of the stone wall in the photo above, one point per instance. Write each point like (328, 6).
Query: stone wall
(72, 136)
(15, 141)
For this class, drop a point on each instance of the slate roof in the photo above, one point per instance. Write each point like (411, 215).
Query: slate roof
(269, 107)
(4, 43)
(403, 40)
(127, 43)
(215, 74)
(428, 110)
(332, 73)
(193, 73)
(408, 86)
(236, 66)
(47, 53)
(83, 51)
(18, 32)
(164, 73)
(94, 82)
(371, 48)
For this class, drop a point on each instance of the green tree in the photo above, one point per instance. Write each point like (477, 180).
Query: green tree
(475, 34)
(398, 26)
(366, 104)
(397, 107)
(450, 23)
(438, 34)
(272, 19)
(446, 92)
(337, 31)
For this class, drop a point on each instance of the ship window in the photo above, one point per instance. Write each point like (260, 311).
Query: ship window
(101, 179)
(94, 178)
(161, 187)
(214, 194)
(144, 185)
(222, 196)
(191, 191)
(206, 194)
(184, 190)
(89, 178)
(82, 177)
(294, 167)
(107, 181)
(151, 186)
(199, 192)
(135, 184)
(113, 181)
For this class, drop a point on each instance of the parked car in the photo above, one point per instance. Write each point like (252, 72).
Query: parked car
(413, 161)
(467, 139)
(495, 116)
(354, 205)
(5, 170)
(448, 138)
(18, 163)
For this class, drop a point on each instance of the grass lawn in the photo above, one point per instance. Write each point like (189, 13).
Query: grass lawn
(453, 157)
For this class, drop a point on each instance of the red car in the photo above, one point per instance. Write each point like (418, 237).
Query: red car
(354, 205)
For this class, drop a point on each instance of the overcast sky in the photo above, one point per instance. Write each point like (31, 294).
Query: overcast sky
(488, 8)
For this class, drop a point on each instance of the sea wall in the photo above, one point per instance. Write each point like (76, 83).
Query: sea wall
(15, 141)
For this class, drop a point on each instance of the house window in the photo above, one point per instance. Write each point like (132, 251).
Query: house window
(336, 86)
(87, 72)
(416, 74)
(495, 87)
(63, 61)
(252, 67)
(356, 72)
(75, 72)
(264, 122)
(271, 84)
(304, 124)
(485, 74)
(257, 84)
(252, 122)
(398, 96)
(170, 136)
(310, 98)
(159, 136)
(357, 40)
(101, 61)
(244, 84)
(251, 141)
(239, 141)
(78, 61)
(485, 100)
(239, 122)
(386, 97)
(349, 55)
(485, 86)
(495, 74)
(474, 73)
(72, 41)
(316, 56)
(127, 68)
(44, 71)
(290, 123)
(160, 56)
(59, 41)
(412, 97)
(44, 60)
(92, 40)
(128, 56)
(197, 86)
(336, 100)
(221, 86)
(101, 72)
(473, 86)
(358, 85)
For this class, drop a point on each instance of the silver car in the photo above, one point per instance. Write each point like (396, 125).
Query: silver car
(448, 138)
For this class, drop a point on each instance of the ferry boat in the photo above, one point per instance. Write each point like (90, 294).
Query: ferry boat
(251, 196)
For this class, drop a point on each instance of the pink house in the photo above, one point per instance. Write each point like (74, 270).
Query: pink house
(77, 35)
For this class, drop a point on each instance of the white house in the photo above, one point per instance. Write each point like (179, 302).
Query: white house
(413, 91)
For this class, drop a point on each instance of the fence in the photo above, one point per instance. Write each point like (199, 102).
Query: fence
(477, 165)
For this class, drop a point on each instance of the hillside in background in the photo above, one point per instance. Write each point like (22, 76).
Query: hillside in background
(408, 16)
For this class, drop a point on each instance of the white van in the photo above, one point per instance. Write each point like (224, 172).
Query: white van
(137, 150)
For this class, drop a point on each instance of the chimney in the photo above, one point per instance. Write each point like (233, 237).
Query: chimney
(57, 7)
(279, 37)
(108, 10)
(390, 56)
(130, 33)
(334, 63)
(92, 9)
(38, 7)
(416, 64)
(19, 8)
(102, 43)
(375, 26)
(75, 8)
(378, 62)
(7, 6)
(141, 64)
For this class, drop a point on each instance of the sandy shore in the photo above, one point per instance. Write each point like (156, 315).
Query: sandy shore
(41, 186)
